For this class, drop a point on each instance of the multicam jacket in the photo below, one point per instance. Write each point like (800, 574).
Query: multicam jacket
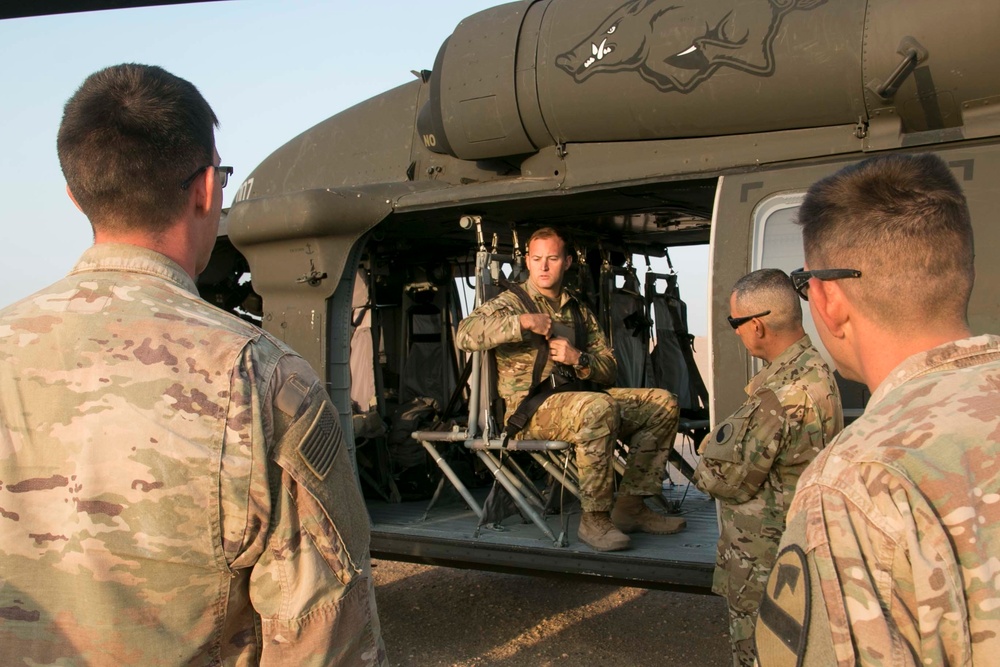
(892, 552)
(752, 462)
(174, 485)
(496, 324)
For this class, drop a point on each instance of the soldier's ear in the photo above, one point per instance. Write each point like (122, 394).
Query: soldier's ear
(73, 199)
(828, 302)
(203, 190)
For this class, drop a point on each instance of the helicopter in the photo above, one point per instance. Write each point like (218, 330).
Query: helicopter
(637, 128)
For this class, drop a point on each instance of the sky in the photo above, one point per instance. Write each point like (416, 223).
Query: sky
(269, 69)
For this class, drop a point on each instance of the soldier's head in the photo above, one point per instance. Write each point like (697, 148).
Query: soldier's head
(135, 144)
(765, 312)
(889, 262)
(548, 259)
(902, 221)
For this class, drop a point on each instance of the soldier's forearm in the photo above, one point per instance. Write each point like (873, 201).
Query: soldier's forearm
(603, 368)
(485, 332)
(736, 482)
(603, 373)
(721, 488)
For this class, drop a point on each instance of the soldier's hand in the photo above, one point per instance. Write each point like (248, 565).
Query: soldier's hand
(704, 442)
(562, 350)
(537, 322)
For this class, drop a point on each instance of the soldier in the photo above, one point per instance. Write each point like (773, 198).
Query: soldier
(175, 485)
(890, 555)
(591, 420)
(752, 461)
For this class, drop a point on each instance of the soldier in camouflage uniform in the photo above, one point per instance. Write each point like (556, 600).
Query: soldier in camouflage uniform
(644, 418)
(174, 485)
(752, 461)
(891, 552)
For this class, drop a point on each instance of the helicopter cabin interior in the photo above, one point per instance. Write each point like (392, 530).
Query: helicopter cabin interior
(416, 277)
(416, 273)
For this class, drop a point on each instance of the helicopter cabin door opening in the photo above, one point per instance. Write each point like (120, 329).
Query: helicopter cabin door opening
(416, 272)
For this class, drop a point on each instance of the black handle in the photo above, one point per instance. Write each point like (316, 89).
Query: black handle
(913, 54)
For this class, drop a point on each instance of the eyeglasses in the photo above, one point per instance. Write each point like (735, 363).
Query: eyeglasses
(223, 172)
(800, 278)
(737, 322)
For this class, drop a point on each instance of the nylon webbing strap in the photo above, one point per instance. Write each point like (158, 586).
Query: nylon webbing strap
(579, 328)
(686, 341)
(536, 396)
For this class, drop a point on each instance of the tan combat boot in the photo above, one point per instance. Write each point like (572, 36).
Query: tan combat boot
(631, 515)
(597, 532)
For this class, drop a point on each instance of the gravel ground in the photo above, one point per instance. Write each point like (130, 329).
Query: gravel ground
(444, 617)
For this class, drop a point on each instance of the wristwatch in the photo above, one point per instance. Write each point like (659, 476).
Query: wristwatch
(584, 361)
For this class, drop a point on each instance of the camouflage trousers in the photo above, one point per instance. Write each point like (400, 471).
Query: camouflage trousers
(643, 419)
(741, 626)
(741, 576)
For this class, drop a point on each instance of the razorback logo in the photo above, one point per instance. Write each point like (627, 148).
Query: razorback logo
(676, 45)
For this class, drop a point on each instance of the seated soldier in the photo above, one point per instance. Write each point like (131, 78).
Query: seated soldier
(535, 322)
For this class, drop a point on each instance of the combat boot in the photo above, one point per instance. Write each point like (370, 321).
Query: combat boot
(597, 532)
(631, 514)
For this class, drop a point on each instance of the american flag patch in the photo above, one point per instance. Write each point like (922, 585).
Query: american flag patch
(320, 445)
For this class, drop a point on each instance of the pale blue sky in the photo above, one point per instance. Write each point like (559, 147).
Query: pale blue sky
(269, 69)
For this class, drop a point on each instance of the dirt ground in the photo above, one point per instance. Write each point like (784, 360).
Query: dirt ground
(444, 617)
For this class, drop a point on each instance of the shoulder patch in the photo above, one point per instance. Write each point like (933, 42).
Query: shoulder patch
(723, 433)
(291, 395)
(783, 619)
(722, 443)
(320, 445)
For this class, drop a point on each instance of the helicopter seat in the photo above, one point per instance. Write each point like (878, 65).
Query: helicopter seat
(498, 456)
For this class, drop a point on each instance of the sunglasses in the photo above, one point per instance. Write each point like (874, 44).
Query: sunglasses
(737, 322)
(223, 172)
(800, 278)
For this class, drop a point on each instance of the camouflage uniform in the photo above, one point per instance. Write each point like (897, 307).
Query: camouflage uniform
(646, 419)
(174, 485)
(891, 553)
(751, 463)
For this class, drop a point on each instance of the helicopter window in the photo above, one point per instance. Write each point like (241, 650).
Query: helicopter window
(778, 244)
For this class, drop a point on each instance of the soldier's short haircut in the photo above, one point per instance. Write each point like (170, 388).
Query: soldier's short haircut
(770, 289)
(550, 233)
(129, 137)
(903, 221)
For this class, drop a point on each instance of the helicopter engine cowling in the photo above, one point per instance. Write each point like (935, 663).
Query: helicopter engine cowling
(522, 76)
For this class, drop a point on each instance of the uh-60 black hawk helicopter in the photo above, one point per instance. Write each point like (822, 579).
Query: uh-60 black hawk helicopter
(636, 128)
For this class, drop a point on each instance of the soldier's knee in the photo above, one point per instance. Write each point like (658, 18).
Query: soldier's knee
(601, 410)
(665, 400)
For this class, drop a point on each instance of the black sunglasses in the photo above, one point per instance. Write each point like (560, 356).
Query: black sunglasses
(737, 322)
(800, 278)
(223, 172)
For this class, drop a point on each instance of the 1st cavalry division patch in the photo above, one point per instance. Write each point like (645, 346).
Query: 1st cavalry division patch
(783, 619)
